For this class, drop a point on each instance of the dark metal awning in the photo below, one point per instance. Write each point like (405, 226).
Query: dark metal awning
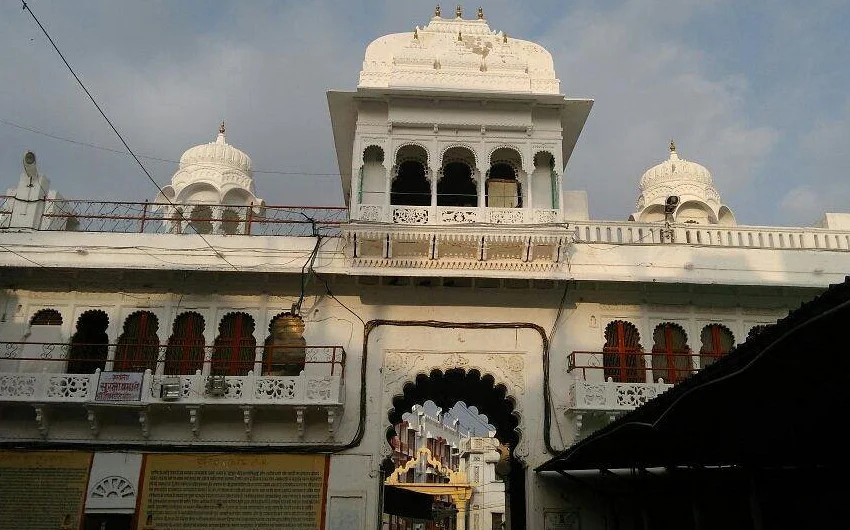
(775, 401)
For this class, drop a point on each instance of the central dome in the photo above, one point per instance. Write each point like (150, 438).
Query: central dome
(458, 54)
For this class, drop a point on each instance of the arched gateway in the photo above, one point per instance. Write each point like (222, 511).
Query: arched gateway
(496, 381)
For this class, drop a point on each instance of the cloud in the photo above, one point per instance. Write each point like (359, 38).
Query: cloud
(651, 86)
(754, 103)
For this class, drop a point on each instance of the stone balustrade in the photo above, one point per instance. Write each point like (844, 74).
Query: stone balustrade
(249, 389)
(611, 396)
(455, 215)
(632, 233)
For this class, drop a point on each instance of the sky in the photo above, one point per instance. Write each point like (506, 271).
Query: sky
(758, 92)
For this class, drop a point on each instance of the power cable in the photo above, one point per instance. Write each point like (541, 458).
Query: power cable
(120, 137)
(149, 157)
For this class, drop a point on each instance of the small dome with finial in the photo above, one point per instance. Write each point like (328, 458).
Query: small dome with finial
(698, 200)
(215, 172)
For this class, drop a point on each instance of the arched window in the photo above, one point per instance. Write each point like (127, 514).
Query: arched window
(46, 317)
(671, 356)
(201, 219)
(622, 354)
(717, 341)
(138, 345)
(457, 187)
(757, 329)
(410, 187)
(185, 352)
(235, 347)
(89, 344)
(503, 189)
(230, 221)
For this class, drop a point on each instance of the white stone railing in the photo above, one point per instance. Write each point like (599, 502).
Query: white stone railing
(254, 390)
(611, 396)
(302, 390)
(631, 233)
(47, 387)
(455, 215)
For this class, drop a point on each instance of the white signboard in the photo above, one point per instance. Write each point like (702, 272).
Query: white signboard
(119, 386)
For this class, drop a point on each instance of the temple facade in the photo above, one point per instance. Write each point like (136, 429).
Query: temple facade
(207, 358)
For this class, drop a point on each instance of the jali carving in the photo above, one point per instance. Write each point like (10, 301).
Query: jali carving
(17, 385)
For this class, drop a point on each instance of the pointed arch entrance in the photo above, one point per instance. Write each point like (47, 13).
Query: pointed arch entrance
(492, 398)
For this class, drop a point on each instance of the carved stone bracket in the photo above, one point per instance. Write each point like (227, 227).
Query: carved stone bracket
(94, 424)
(195, 420)
(299, 419)
(42, 419)
(144, 423)
(248, 420)
(331, 422)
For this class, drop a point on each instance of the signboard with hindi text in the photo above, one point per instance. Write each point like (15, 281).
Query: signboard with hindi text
(233, 491)
(119, 386)
(43, 490)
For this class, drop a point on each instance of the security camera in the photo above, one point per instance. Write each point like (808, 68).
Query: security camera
(30, 167)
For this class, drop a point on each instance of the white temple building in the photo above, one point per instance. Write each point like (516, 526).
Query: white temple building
(208, 358)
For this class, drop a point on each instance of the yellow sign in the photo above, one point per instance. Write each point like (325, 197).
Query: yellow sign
(43, 489)
(234, 492)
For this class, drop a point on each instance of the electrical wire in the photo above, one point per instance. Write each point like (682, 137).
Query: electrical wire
(117, 133)
(150, 157)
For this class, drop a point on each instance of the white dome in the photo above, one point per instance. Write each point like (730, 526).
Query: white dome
(691, 183)
(213, 173)
(454, 53)
(675, 169)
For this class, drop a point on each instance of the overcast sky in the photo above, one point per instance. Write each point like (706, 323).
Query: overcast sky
(757, 91)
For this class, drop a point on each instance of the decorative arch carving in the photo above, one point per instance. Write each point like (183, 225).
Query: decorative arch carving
(89, 344)
(514, 148)
(235, 347)
(185, 351)
(458, 145)
(671, 355)
(493, 383)
(138, 345)
(46, 317)
(414, 144)
(113, 487)
(543, 152)
(717, 340)
(622, 356)
(373, 148)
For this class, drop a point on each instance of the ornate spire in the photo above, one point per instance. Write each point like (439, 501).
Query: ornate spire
(459, 12)
(672, 146)
(415, 33)
(480, 13)
(437, 11)
(221, 128)
(505, 38)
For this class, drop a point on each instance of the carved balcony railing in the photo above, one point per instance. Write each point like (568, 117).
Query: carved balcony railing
(176, 218)
(632, 233)
(455, 215)
(133, 375)
(614, 382)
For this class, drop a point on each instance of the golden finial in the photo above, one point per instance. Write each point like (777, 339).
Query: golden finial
(221, 128)
(437, 11)
(415, 34)
(672, 146)
(505, 38)
(458, 12)
(459, 36)
(480, 13)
